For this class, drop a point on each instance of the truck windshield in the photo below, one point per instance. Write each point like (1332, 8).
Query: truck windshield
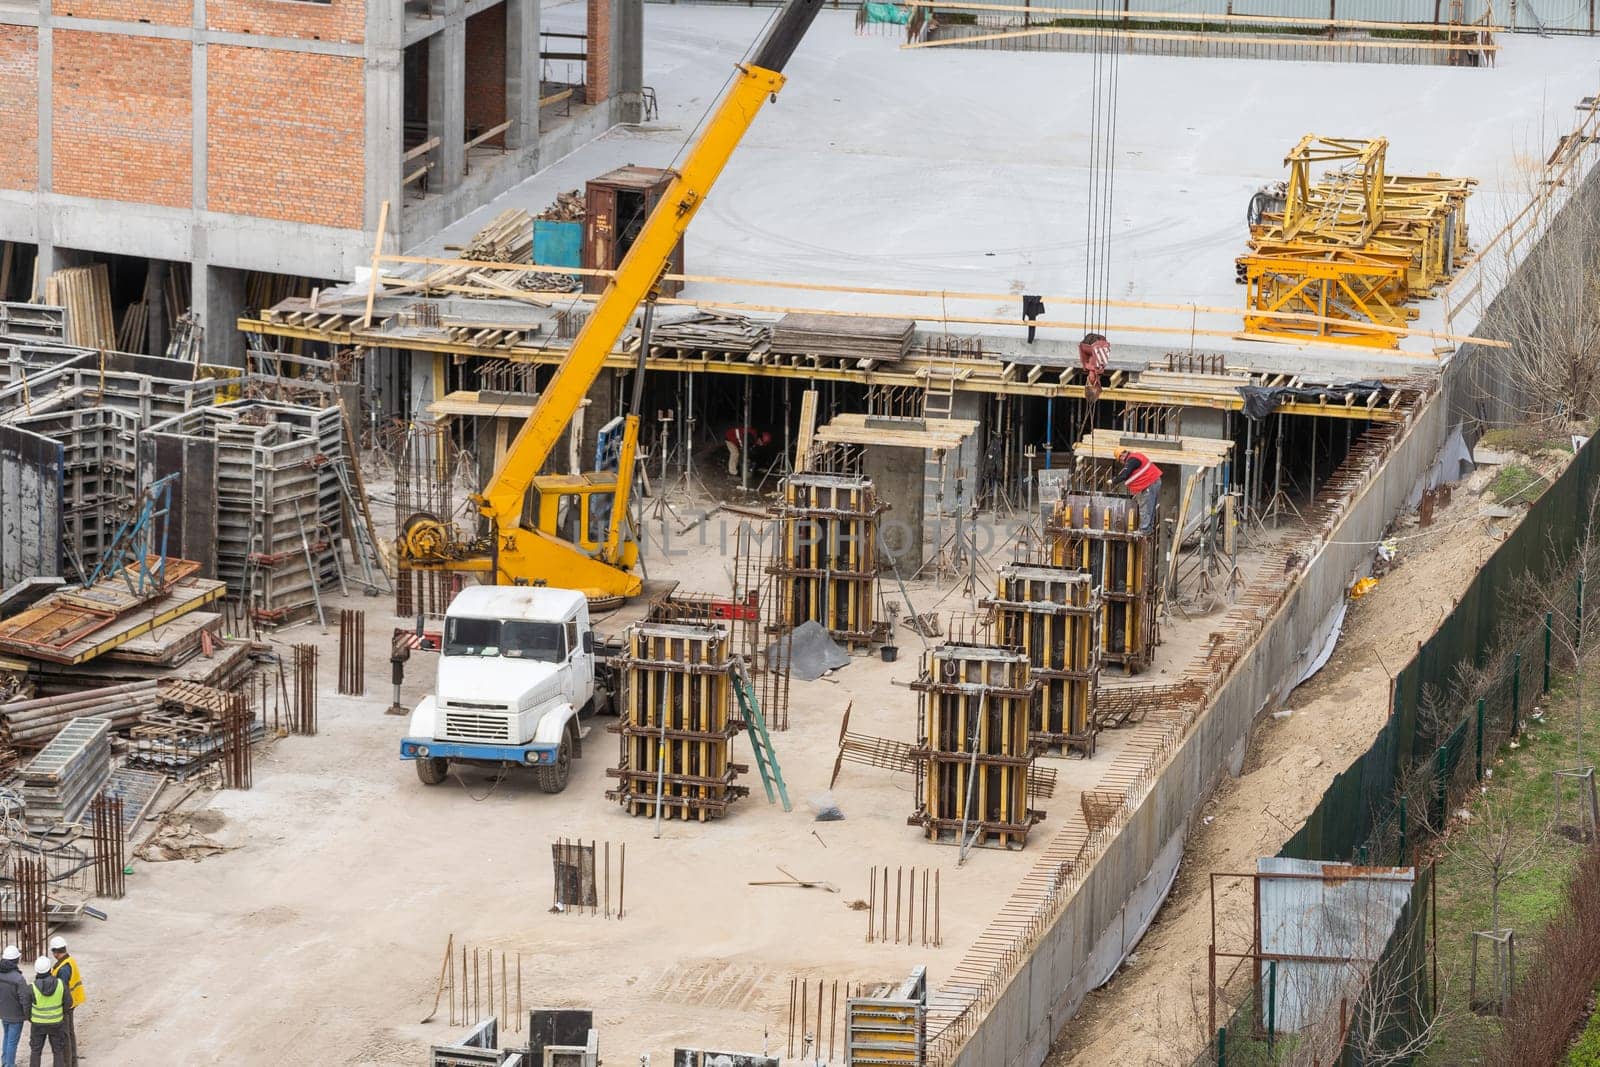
(512, 638)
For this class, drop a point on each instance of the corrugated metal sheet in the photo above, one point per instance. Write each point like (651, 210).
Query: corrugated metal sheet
(1347, 914)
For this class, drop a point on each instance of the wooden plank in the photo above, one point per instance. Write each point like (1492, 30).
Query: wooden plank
(808, 429)
(377, 258)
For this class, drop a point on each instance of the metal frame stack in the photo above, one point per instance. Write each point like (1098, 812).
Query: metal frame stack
(1053, 616)
(59, 783)
(1100, 534)
(676, 701)
(826, 563)
(974, 755)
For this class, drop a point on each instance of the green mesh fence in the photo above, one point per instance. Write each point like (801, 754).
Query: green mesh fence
(1454, 704)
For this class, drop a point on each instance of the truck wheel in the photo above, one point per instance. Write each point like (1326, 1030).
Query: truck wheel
(431, 770)
(553, 779)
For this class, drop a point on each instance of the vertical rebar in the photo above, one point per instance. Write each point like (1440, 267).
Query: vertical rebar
(872, 902)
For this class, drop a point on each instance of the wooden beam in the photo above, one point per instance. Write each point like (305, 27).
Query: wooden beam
(1313, 21)
(487, 135)
(808, 429)
(377, 258)
(421, 150)
(1219, 38)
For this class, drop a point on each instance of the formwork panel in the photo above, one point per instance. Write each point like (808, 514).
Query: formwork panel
(1053, 616)
(974, 755)
(826, 563)
(677, 725)
(1099, 534)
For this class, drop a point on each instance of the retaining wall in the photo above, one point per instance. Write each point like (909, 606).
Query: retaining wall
(1126, 884)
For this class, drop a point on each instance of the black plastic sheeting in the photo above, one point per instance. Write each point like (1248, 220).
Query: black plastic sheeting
(1261, 401)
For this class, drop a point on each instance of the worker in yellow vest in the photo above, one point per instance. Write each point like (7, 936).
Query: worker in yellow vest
(66, 969)
(47, 1013)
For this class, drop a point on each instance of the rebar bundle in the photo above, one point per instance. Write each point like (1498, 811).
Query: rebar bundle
(826, 561)
(28, 911)
(974, 756)
(352, 651)
(236, 753)
(676, 723)
(105, 829)
(1052, 614)
(303, 706)
(1100, 534)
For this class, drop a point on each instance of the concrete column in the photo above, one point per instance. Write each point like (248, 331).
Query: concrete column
(627, 60)
(385, 90)
(157, 329)
(896, 475)
(218, 296)
(48, 260)
(447, 105)
(522, 76)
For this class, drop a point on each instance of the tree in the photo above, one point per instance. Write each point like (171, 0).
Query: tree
(1497, 851)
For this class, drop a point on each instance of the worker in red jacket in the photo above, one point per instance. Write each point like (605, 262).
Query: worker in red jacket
(1143, 479)
(740, 438)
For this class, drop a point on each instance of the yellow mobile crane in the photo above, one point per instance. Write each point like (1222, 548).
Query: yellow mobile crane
(601, 567)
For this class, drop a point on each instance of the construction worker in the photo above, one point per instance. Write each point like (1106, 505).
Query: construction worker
(66, 969)
(1143, 479)
(742, 437)
(15, 1004)
(47, 1011)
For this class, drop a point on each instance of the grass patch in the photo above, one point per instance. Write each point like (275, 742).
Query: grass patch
(1516, 483)
(1585, 1051)
(1522, 786)
(1529, 440)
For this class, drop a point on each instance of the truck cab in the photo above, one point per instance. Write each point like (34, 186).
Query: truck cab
(517, 677)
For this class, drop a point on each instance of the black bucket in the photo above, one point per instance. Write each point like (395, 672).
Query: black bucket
(889, 652)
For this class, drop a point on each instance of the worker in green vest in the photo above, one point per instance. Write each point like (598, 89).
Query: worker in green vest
(48, 1014)
(66, 969)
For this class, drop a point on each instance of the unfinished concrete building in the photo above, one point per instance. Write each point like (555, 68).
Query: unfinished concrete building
(215, 154)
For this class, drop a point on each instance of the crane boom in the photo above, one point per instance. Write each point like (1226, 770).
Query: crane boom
(640, 270)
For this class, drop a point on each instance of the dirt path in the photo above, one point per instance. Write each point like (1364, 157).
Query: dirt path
(1154, 1011)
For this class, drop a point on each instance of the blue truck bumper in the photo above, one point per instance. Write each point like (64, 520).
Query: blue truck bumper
(427, 748)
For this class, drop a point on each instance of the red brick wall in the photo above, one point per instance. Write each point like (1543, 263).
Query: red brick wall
(161, 12)
(19, 107)
(286, 135)
(121, 118)
(599, 63)
(342, 20)
(486, 72)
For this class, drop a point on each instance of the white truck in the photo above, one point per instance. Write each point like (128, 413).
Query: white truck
(518, 675)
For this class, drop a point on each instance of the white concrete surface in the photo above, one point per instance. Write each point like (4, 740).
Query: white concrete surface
(968, 170)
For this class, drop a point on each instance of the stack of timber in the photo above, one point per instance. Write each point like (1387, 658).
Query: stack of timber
(1053, 615)
(507, 239)
(974, 756)
(172, 644)
(85, 293)
(566, 207)
(826, 563)
(225, 667)
(31, 724)
(847, 337)
(59, 782)
(1099, 534)
(677, 702)
(709, 335)
(79, 624)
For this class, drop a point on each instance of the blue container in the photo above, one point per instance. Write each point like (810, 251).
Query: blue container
(558, 244)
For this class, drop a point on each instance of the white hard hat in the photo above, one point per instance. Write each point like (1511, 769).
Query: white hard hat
(57, 943)
(41, 965)
(12, 952)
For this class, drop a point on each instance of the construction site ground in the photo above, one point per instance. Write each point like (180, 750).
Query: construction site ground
(312, 921)
(1154, 1010)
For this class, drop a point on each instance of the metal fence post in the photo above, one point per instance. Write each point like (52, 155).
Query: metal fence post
(1477, 742)
(1549, 628)
(1439, 788)
(1516, 693)
(1222, 1046)
(1272, 1002)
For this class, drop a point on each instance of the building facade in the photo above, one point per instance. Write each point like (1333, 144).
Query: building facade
(200, 142)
